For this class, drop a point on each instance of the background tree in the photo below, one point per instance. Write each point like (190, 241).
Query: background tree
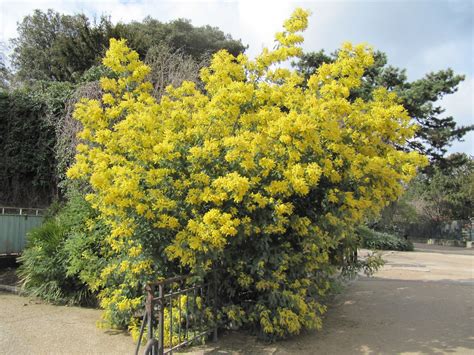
(198, 42)
(58, 47)
(53, 46)
(419, 98)
(432, 201)
(446, 194)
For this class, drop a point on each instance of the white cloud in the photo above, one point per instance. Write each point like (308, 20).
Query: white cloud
(460, 106)
(466, 146)
(260, 20)
(12, 12)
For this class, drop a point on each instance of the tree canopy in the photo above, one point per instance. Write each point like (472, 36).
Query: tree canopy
(446, 194)
(179, 34)
(58, 47)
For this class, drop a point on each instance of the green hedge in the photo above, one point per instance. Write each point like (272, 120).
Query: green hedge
(371, 239)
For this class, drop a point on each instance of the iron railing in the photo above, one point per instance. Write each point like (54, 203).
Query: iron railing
(195, 314)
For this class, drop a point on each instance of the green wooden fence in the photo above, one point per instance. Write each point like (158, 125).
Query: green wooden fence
(14, 225)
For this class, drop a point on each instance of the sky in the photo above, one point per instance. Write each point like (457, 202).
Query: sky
(420, 35)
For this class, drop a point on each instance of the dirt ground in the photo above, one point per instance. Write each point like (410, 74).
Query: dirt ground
(420, 302)
(30, 327)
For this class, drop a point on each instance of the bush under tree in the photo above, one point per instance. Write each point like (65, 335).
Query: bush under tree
(62, 256)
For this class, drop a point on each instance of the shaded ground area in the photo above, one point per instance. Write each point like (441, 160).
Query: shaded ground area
(8, 268)
(8, 277)
(420, 302)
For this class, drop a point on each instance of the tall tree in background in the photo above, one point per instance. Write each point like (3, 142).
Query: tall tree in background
(53, 46)
(419, 98)
(446, 194)
(58, 47)
(177, 35)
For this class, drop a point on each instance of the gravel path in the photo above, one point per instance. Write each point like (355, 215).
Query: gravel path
(420, 302)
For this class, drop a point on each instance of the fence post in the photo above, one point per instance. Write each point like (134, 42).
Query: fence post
(214, 287)
(161, 319)
(149, 312)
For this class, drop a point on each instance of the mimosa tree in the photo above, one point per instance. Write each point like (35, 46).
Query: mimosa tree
(258, 176)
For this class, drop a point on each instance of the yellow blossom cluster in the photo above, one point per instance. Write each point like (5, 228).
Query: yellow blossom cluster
(261, 175)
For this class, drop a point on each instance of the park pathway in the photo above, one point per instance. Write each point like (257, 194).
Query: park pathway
(420, 302)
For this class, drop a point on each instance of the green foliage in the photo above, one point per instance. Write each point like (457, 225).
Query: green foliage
(62, 256)
(371, 239)
(94, 73)
(26, 158)
(178, 35)
(84, 241)
(398, 217)
(4, 73)
(446, 194)
(369, 265)
(43, 278)
(28, 129)
(431, 202)
(419, 98)
(42, 271)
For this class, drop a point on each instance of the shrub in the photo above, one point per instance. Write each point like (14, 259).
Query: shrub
(42, 271)
(258, 176)
(59, 257)
(371, 239)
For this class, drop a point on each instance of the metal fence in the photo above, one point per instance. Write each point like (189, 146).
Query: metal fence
(462, 230)
(15, 223)
(177, 314)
